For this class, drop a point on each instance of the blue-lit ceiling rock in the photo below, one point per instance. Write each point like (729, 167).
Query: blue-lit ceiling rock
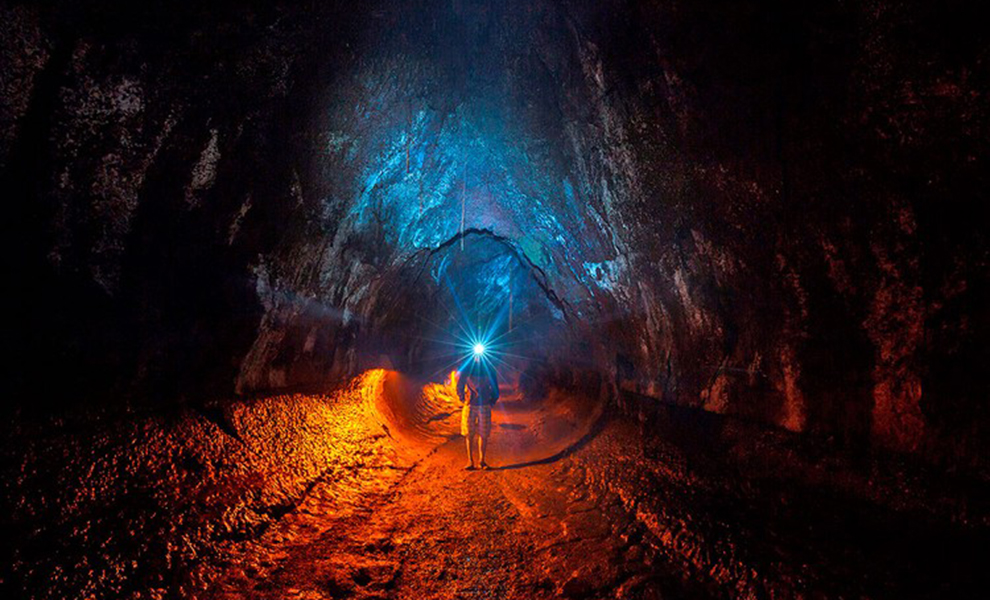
(432, 131)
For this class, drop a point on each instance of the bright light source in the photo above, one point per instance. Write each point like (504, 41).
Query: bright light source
(479, 349)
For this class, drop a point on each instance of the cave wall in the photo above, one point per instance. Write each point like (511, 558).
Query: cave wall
(149, 153)
(760, 209)
(817, 244)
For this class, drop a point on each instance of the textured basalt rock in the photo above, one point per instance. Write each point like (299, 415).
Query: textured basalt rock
(150, 505)
(763, 209)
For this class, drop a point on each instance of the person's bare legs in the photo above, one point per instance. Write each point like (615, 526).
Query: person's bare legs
(482, 448)
(466, 431)
(470, 449)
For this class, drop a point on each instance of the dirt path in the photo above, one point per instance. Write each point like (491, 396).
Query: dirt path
(363, 495)
(701, 511)
(531, 527)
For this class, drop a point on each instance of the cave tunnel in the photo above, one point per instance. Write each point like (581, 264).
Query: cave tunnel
(724, 261)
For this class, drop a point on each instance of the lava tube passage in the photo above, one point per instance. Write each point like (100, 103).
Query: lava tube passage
(516, 299)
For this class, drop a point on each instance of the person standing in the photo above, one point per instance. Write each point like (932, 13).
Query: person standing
(477, 388)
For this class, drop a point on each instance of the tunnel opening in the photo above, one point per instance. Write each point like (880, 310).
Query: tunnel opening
(477, 298)
(476, 288)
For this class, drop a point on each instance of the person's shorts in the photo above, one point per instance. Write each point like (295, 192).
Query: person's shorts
(476, 419)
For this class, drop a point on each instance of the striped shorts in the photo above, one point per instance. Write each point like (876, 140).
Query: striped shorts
(476, 419)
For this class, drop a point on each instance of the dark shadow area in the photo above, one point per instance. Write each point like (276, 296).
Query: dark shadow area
(596, 427)
(512, 426)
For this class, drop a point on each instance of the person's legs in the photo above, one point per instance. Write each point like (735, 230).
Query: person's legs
(484, 430)
(468, 430)
(470, 449)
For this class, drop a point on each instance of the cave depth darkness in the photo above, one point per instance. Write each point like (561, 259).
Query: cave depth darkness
(725, 260)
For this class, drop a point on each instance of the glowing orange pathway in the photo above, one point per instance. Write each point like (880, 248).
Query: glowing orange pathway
(579, 505)
(432, 529)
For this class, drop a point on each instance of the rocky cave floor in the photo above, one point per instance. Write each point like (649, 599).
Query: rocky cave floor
(697, 512)
(673, 504)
